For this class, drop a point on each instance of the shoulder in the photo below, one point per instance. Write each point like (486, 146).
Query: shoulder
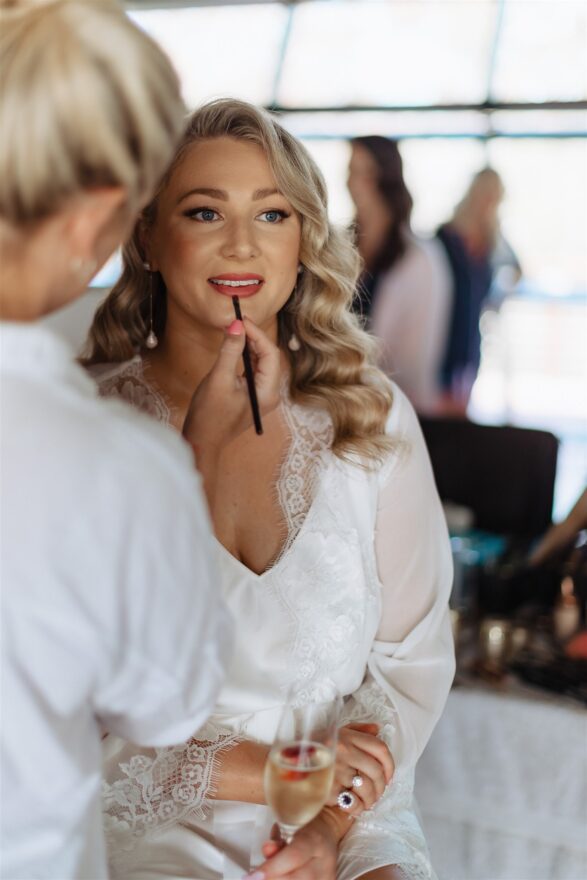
(403, 428)
(402, 420)
(105, 442)
(145, 454)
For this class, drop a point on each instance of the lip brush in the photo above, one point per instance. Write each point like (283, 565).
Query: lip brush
(249, 372)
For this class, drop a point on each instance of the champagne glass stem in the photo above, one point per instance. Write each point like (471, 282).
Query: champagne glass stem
(287, 832)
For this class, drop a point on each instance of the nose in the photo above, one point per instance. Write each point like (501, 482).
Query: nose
(240, 242)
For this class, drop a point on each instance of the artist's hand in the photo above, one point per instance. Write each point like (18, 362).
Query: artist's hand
(361, 753)
(220, 409)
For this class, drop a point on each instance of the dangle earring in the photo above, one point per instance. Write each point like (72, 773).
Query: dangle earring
(151, 341)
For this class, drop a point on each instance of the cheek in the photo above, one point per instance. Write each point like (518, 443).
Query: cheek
(186, 250)
(176, 246)
(287, 251)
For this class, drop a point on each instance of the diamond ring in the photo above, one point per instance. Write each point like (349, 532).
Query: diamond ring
(346, 800)
(357, 781)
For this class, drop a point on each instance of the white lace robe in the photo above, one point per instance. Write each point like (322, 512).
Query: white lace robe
(358, 599)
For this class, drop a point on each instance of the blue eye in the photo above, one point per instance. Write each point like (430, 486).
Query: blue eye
(204, 215)
(273, 216)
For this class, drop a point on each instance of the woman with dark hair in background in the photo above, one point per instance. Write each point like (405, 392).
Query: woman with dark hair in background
(404, 291)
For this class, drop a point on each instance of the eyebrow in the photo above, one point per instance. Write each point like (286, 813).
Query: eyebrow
(222, 195)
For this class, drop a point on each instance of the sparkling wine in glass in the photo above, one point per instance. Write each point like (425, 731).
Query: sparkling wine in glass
(300, 767)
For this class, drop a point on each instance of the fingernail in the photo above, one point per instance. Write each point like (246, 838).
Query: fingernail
(258, 875)
(235, 329)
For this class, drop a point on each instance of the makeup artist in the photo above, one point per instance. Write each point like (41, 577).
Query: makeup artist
(111, 613)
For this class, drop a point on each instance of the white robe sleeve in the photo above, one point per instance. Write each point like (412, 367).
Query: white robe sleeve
(411, 664)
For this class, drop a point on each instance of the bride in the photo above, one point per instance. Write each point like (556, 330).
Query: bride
(331, 539)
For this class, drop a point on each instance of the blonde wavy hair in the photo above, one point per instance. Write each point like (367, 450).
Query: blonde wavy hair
(88, 100)
(334, 367)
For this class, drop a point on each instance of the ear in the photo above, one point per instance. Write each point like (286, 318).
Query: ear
(95, 220)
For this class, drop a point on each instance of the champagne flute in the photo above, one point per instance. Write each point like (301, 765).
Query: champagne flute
(300, 767)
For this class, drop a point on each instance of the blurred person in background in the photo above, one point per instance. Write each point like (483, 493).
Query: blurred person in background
(561, 536)
(111, 615)
(476, 251)
(404, 290)
(332, 545)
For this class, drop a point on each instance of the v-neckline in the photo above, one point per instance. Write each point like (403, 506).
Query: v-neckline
(289, 545)
(287, 548)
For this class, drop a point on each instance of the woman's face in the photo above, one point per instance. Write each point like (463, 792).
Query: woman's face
(222, 228)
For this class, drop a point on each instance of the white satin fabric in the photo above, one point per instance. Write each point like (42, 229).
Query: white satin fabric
(109, 607)
(357, 599)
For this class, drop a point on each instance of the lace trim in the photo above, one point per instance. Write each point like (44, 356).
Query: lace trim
(158, 787)
(128, 383)
(311, 434)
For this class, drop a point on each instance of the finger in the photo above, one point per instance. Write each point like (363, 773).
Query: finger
(370, 728)
(288, 859)
(367, 794)
(378, 750)
(340, 784)
(228, 364)
(264, 353)
(375, 747)
(372, 749)
(343, 778)
(270, 848)
(266, 357)
(355, 811)
(373, 775)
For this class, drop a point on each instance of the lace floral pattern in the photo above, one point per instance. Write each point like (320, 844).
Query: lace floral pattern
(127, 382)
(322, 644)
(156, 788)
(311, 438)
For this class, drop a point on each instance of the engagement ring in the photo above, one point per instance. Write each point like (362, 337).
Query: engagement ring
(357, 781)
(346, 800)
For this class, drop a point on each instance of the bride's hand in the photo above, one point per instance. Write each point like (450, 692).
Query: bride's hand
(220, 409)
(360, 753)
(311, 855)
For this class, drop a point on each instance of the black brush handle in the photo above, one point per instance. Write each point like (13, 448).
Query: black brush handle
(249, 377)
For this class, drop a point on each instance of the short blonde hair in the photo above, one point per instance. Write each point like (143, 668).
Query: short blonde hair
(88, 100)
(334, 367)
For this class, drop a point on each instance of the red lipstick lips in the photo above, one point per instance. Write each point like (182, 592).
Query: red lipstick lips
(237, 284)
